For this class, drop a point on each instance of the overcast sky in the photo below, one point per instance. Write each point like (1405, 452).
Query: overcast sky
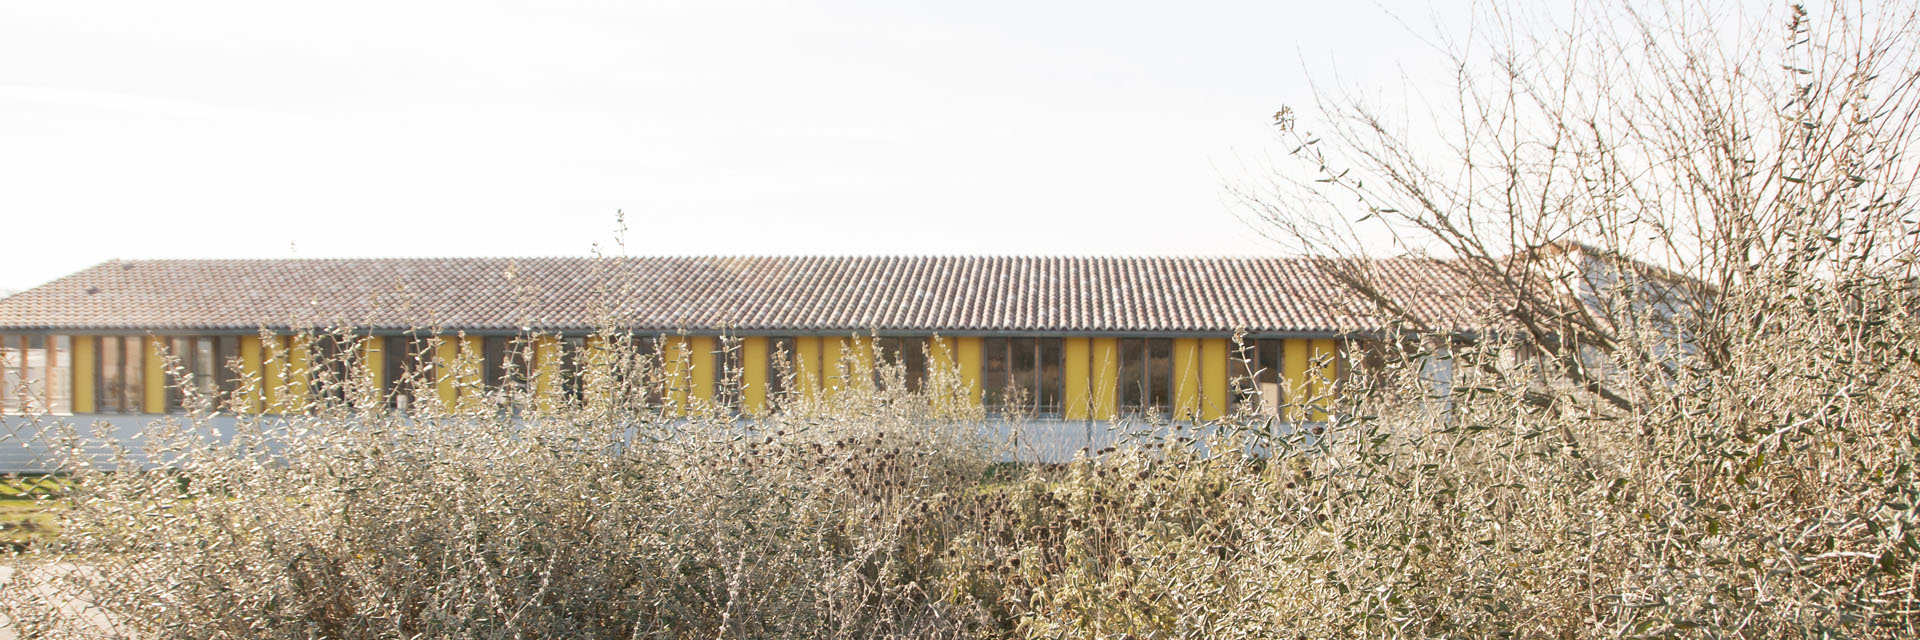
(274, 129)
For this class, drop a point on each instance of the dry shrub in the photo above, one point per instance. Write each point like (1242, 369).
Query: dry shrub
(611, 517)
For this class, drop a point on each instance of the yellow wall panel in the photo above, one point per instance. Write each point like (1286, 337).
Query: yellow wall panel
(1326, 352)
(806, 366)
(674, 361)
(1214, 393)
(546, 372)
(1186, 378)
(446, 371)
(1104, 360)
(273, 371)
(835, 357)
(704, 368)
(251, 371)
(373, 361)
(967, 354)
(155, 377)
(299, 372)
(1294, 357)
(1075, 374)
(753, 376)
(85, 367)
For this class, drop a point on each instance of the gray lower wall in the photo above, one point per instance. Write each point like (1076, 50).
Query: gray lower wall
(26, 443)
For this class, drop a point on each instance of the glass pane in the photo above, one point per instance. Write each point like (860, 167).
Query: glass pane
(179, 350)
(995, 373)
(13, 352)
(10, 370)
(60, 375)
(133, 366)
(1241, 358)
(886, 354)
(727, 377)
(111, 382)
(1052, 357)
(1133, 375)
(1269, 376)
(1160, 374)
(34, 396)
(206, 365)
(226, 361)
(1023, 371)
(493, 361)
(913, 358)
(779, 365)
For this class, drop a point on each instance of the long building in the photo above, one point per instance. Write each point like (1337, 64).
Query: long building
(1063, 338)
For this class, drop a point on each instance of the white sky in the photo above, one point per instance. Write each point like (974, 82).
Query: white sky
(272, 129)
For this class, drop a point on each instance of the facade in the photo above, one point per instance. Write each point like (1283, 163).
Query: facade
(1068, 339)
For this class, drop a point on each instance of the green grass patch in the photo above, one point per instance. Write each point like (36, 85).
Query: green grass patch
(29, 509)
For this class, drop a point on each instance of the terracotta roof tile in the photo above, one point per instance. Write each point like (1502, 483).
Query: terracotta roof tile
(956, 295)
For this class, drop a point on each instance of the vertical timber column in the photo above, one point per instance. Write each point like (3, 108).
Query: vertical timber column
(806, 366)
(753, 376)
(1326, 353)
(1294, 356)
(705, 370)
(1105, 360)
(1186, 378)
(155, 377)
(1214, 394)
(373, 360)
(546, 372)
(85, 371)
(968, 353)
(251, 381)
(446, 367)
(1075, 374)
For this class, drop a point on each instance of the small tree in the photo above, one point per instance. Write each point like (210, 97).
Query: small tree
(1704, 244)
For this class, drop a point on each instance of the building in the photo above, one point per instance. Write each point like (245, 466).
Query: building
(1080, 339)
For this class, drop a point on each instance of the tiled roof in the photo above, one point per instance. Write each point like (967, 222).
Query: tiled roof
(955, 295)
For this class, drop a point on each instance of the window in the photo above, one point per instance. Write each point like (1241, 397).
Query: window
(122, 374)
(36, 373)
(207, 362)
(910, 354)
(409, 366)
(1024, 375)
(506, 361)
